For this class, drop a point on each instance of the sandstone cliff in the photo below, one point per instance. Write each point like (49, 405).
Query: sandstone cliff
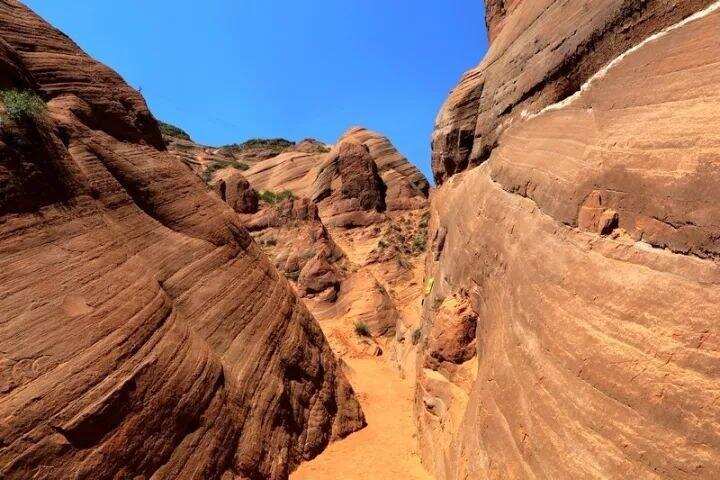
(572, 284)
(143, 334)
(345, 223)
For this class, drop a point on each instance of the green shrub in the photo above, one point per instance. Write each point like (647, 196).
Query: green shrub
(22, 105)
(271, 198)
(276, 145)
(362, 329)
(239, 165)
(420, 241)
(416, 335)
(294, 275)
(207, 175)
(173, 131)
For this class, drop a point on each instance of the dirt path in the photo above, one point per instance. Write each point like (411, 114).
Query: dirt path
(385, 449)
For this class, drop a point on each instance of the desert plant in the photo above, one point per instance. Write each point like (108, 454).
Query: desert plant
(294, 275)
(271, 198)
(21, 105)
(238, 165)
(276, 145)
(420, 241)
(362, 329)
(173, 131)
(416, 335)
(207, 175)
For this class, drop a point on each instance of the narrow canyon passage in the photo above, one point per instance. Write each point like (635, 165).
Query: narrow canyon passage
(386, 448)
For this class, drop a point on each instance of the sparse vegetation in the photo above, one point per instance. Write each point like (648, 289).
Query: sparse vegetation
(276, 145)
(429, 284)
(420, 241)
(294, 275)
(173, 131)
(320, 148)
(238, 165)
(362, 329)
(271, 198)
(207, 175)
(416, 335)
(22, 105)
(403, 262)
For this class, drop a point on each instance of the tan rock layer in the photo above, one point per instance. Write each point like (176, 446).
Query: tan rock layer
(142, 332)
(542, 52)
(587, 247)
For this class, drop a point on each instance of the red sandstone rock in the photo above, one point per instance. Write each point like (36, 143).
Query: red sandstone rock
(361, 192)
(542, 51)
(142, 332)
(235, 190)
(587, 242)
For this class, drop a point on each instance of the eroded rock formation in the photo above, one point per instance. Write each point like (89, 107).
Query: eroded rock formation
(143, 334)
(345, 223)
(577, 226)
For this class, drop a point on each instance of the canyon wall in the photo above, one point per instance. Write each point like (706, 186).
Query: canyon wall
(572, 284)
(345, 223)
(143, 333)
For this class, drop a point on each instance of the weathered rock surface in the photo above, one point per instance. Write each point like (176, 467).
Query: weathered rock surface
(345, 223)
(585, 244)
(143, 334)
(234, 189)
(542, 52)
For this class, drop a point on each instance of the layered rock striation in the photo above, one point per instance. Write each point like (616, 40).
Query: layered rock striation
(576, 233)
(143, 333)
(345, 223)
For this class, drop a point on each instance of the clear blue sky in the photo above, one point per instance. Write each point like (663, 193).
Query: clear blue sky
(228, 70)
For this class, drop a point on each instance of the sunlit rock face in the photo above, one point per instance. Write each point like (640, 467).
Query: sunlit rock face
(345, 223)
(577, 228)
(143, 334)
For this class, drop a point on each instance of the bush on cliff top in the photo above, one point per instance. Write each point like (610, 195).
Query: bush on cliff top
(276, 145)
(173, 131)
(22, 105)
(214, 167)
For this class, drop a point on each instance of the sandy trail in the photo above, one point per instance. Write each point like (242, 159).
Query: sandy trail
(386, 448)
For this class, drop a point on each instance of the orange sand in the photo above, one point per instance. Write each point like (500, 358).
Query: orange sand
(386, 448)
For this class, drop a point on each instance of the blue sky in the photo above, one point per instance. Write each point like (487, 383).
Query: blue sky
(229, 70)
